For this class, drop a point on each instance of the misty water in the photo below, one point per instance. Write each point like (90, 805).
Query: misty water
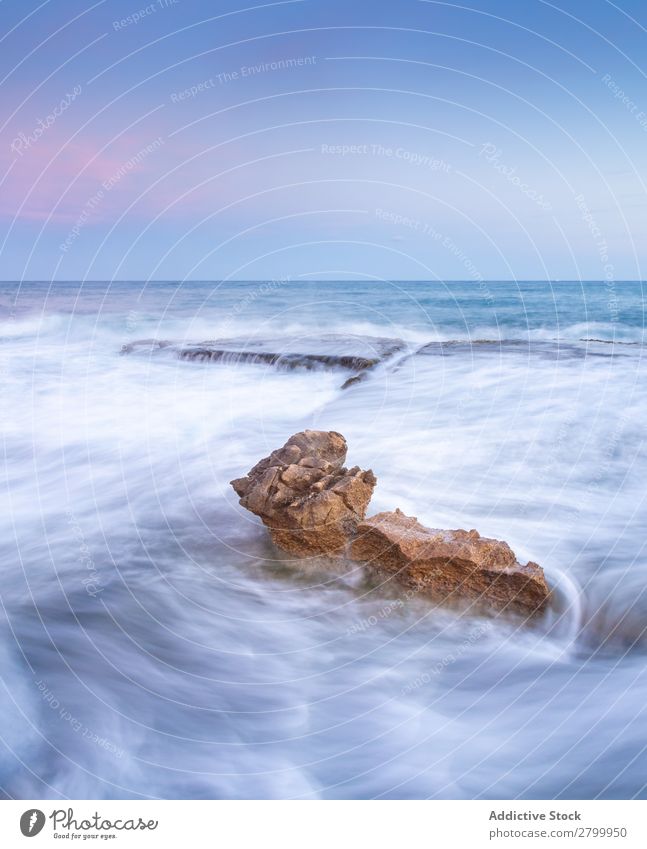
(154, 644)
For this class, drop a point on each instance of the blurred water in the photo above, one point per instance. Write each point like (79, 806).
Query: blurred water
(153, 642)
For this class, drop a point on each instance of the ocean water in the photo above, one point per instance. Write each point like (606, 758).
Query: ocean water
(154, 644)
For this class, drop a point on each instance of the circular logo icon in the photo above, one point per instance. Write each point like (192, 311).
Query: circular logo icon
(32, 822)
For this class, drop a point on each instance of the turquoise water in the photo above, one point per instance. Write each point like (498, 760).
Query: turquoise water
(154, 644)
(503, 309)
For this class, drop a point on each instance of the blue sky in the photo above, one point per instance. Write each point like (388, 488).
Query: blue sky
(318, 138)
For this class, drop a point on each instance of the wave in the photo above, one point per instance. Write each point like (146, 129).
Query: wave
(207, 665)
(362, 354)
(129, 325)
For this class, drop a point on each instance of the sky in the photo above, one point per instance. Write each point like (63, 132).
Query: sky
(320, 139)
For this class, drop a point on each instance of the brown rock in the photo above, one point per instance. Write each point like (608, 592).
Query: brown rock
(313, 505)
(306, 497)
(449, 565)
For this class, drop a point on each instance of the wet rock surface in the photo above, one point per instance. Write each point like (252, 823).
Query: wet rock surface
(546, 350)
(310, 502)
(312, 505)
(449, 565)
(331, 351)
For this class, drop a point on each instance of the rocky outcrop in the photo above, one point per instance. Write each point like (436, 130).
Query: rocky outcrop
(449, 565)
(325, 352)
(309, 501)
(285, 361)
(313, 505)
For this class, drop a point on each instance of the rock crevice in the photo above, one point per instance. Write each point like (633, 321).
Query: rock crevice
(309, 501)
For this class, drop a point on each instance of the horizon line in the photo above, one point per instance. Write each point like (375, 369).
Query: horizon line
(323, 280)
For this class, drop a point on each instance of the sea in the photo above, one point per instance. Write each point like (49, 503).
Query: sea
(154, 644)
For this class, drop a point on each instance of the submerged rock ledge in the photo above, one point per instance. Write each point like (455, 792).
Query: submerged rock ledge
(325, 352)
(313, 505)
